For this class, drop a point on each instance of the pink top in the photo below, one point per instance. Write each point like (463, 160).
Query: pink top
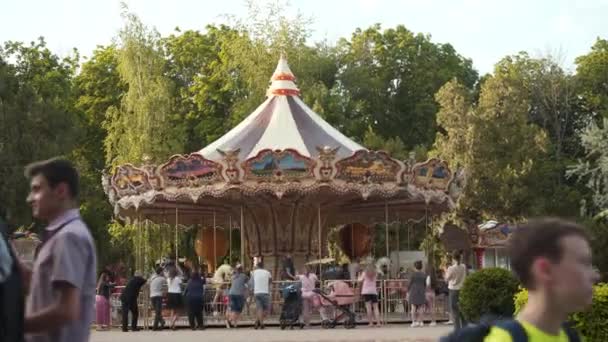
(308, 283)
(369, 284)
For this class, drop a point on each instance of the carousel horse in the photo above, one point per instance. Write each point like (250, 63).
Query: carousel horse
(220, 279)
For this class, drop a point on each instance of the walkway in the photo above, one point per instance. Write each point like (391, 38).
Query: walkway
(391, 333)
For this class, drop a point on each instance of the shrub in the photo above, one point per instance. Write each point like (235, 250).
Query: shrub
(488, 291)
(591, 323)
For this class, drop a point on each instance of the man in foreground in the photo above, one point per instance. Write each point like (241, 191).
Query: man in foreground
(552, 259)
(62, 282)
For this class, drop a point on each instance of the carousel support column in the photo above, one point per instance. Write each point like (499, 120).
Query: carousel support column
(352, 240)
(242, 232)
(214, 242)
(398, 244)
(176, 236)
(426, 221)
(388, 255)
(139, 245)
(320, 242)
(230, 240)
(146, 249)
(146, 288)
(386, 228)
(407, 225)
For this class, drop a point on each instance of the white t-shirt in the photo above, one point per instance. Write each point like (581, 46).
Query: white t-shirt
(261, 279)
(455, 276)
(174, 285)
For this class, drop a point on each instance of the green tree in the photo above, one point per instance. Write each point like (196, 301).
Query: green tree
(37, 119)
(97, 87)
(203, 98)
(145, 124)
(592, 75)
(593, 169)
(387, 80)
(555, 106)
(394, 146)
(495, 143)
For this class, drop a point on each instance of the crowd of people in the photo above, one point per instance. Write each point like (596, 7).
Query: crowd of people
(53, 300)
(184, 291)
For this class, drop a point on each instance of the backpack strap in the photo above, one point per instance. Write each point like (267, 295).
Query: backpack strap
(571, 332)
(518, 333)
(515, 329)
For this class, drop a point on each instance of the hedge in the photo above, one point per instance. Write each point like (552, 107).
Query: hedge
(488, 291)
(593, 323)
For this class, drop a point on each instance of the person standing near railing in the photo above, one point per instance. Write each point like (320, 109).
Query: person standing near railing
(455, 276)
(309, 281)
(369, 292)
(157, 281)
(195, 291)
(416, 294)
(174, 296)
(236, 296)
(261, 282)
(128, 298)
(288, 271)
(102, 301)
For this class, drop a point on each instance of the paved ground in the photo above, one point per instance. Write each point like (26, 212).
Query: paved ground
(391, 333)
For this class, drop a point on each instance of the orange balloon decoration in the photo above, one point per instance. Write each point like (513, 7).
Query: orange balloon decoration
(355, 240)
(204, 246)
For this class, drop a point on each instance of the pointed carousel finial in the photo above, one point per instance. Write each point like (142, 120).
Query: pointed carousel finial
(283, 80)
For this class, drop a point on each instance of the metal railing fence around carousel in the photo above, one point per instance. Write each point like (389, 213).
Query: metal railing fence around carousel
(392, 293)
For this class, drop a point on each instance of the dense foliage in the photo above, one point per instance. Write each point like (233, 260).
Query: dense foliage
(489, 291)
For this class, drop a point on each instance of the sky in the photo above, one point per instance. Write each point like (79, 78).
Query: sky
(483, 30)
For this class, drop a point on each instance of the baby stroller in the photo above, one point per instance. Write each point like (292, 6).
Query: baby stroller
(335, 305)
(292, 306)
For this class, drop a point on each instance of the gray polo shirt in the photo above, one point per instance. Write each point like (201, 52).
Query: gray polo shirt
(69, 256)
(156, 285)
(239, 284)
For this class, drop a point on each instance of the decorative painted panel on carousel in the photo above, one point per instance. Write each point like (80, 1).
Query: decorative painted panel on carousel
(432, 174)
(278, 166)
(368, 167)
(190, 171)
(130, 180)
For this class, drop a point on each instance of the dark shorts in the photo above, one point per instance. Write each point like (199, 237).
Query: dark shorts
(262, 301)
(236, 303)
(174, 300)
(370, 298)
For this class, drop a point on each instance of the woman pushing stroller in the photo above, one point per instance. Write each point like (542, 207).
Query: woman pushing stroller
(308, 280)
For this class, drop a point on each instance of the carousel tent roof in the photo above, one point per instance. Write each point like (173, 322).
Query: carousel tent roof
(282, 121)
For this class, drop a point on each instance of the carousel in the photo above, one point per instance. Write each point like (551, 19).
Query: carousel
(282, 178)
